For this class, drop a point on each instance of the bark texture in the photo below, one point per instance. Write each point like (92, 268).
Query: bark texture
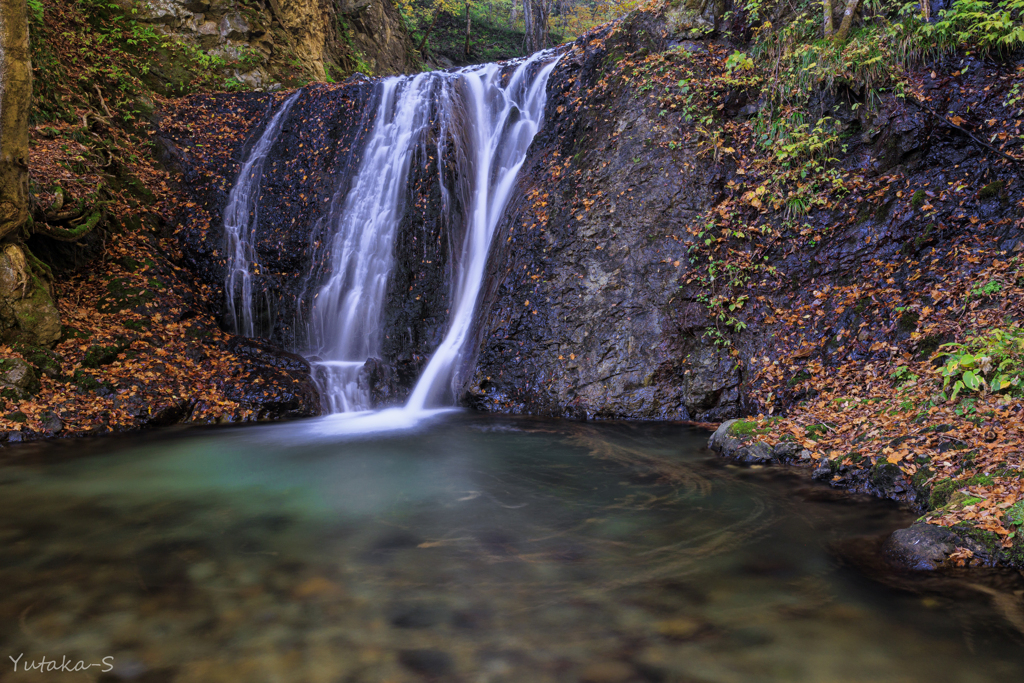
(15, 96)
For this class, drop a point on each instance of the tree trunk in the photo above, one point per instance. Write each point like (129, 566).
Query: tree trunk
(469, 25)
(15, 97)
(528, 25)
(423, 43)
(827, 7)
(844, 27)
(541, 22)
(535, 19)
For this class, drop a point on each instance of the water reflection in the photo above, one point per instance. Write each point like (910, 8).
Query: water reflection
(466, 548)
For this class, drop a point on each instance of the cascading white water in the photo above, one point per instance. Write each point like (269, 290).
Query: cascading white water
(345, 326)
(240, 217)
(502, 121)
(497, 117)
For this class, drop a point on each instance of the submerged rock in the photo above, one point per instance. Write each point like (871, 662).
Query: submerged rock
(922, 547)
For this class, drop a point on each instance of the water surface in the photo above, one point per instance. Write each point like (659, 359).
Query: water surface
(467, 548)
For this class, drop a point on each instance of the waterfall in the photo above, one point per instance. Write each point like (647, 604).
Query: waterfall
(501, 122)
(240, 217)
(345, 327)
(489, 117)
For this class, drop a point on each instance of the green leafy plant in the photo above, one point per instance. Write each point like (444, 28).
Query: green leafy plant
(993, 361)
(986, 290)
(987, 26)
(35, 11)
(739, 61)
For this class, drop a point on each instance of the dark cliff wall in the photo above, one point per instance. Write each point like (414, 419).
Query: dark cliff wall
(207, 139)
(598, 307)
(585, 316)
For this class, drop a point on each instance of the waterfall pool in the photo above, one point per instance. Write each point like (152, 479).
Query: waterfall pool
(464, 548)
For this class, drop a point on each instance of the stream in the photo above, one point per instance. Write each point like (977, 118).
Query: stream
(464, 547)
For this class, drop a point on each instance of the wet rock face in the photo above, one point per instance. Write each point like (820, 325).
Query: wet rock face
(305, 180)
(585, 316)
(293, 392)
(311, 163)
(589, 312)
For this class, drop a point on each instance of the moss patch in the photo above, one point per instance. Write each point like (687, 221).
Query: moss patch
(745, 428)
(908, 321)
(98, 355)
(942, 492)
(991, 191)
(45, 361)
(1015, 515)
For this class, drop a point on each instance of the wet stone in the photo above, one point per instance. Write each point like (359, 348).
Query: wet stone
(922, 547)
(431, 664)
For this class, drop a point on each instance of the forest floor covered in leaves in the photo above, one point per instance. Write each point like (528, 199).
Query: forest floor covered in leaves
(140, 345)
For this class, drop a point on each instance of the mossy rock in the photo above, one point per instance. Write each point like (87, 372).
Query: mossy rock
(18, 375)
(1015, 514)
(197, 332)
(35, 314)
(986, 541)
(88, 383)
(45, 361)
(920, 483)
(798, 378)
(929, 344)
(129, 264)
(883, 211)
(17, 416)
(919, 198)
(97, 355)
(68, 332)
(747, 428)
(991, 191)
(816, 431)
(943, 492)
(885, 475)
(122, 295)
